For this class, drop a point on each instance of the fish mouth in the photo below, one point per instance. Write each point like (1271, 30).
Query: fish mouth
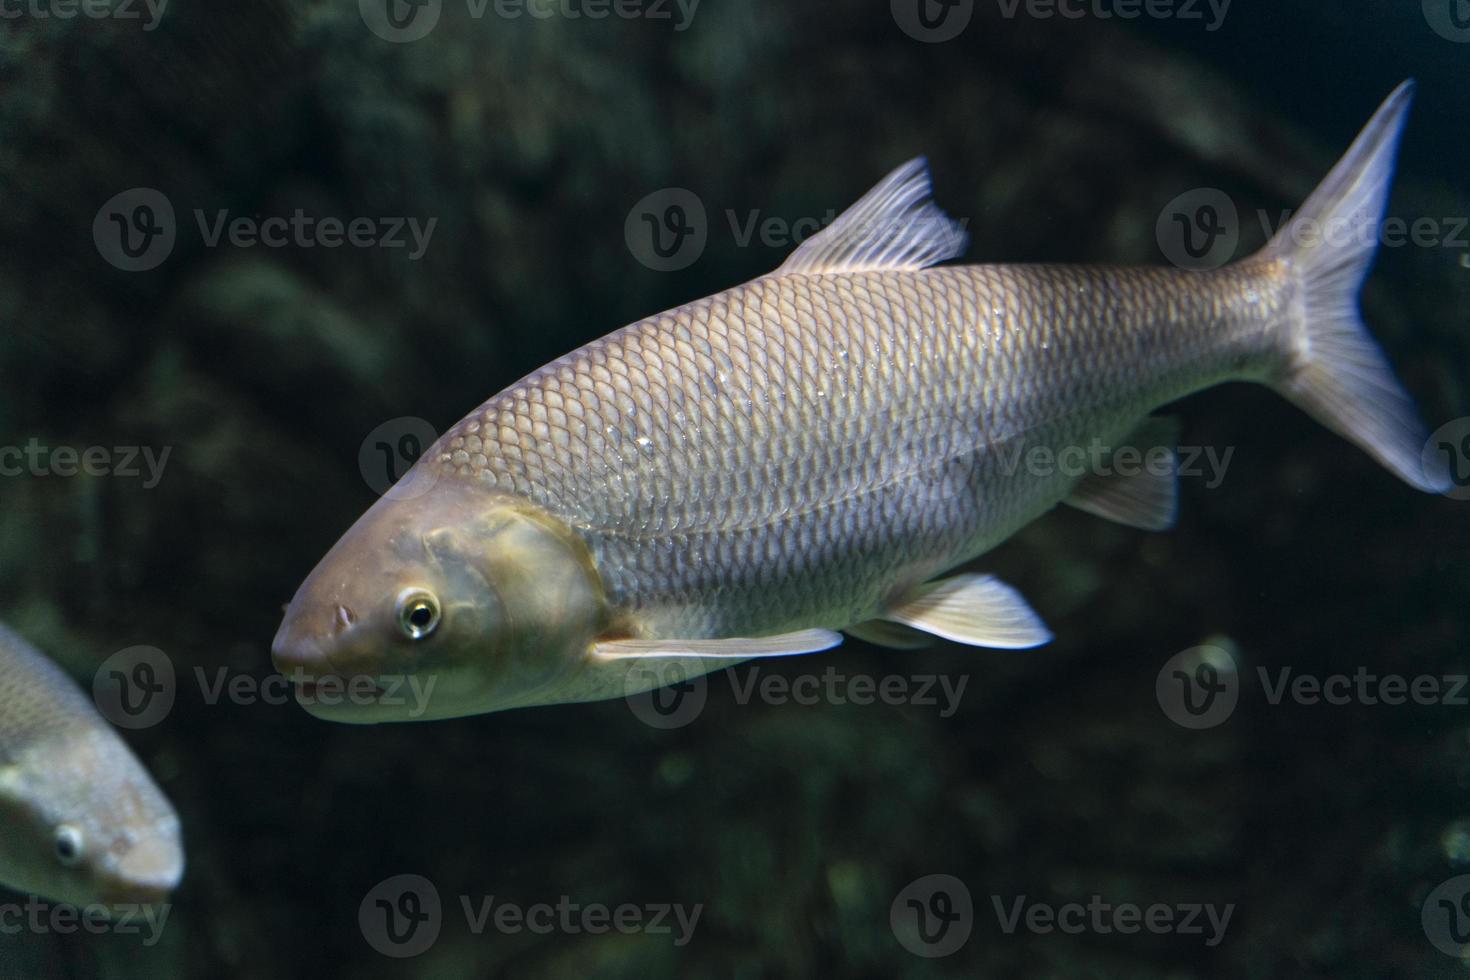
(335, 689)
(306, 665)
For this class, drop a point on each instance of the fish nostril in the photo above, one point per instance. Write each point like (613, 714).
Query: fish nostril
(343, 619)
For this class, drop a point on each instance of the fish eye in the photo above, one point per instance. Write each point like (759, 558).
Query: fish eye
(68, 845)
(418, 613)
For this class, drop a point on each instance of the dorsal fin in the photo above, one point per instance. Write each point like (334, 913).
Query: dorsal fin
(893, 227)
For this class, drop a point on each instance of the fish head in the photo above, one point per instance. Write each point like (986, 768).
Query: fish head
(444, 602)
(86, 824)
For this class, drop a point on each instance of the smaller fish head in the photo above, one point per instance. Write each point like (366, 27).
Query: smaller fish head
(87, 825)
(451, 602)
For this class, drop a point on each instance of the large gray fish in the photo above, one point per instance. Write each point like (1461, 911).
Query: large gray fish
(81, 820)
(750, 473)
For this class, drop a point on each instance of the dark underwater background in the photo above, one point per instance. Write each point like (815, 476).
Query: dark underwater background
(1333, 831)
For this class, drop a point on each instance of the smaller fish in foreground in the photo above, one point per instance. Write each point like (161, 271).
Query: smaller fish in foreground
(81, 820)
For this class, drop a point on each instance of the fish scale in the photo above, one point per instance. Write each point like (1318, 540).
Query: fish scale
(761, 444)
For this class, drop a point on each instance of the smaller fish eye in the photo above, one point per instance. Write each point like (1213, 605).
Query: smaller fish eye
(418, 613)
(68, 845)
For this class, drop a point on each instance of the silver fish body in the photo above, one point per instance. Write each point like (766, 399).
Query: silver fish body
(81, 820)
(748, 474)
(799, 450)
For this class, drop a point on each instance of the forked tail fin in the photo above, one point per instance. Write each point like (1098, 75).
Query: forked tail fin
(1335, 371)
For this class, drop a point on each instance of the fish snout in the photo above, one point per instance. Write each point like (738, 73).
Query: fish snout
(146, 873)
(296, 653)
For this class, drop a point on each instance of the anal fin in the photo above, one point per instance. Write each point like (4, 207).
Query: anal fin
(976, 609)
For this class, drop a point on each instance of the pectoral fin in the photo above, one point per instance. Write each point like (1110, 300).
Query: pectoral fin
(895, 636)
(1142, 494)
(735, 648)
(975, 609)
